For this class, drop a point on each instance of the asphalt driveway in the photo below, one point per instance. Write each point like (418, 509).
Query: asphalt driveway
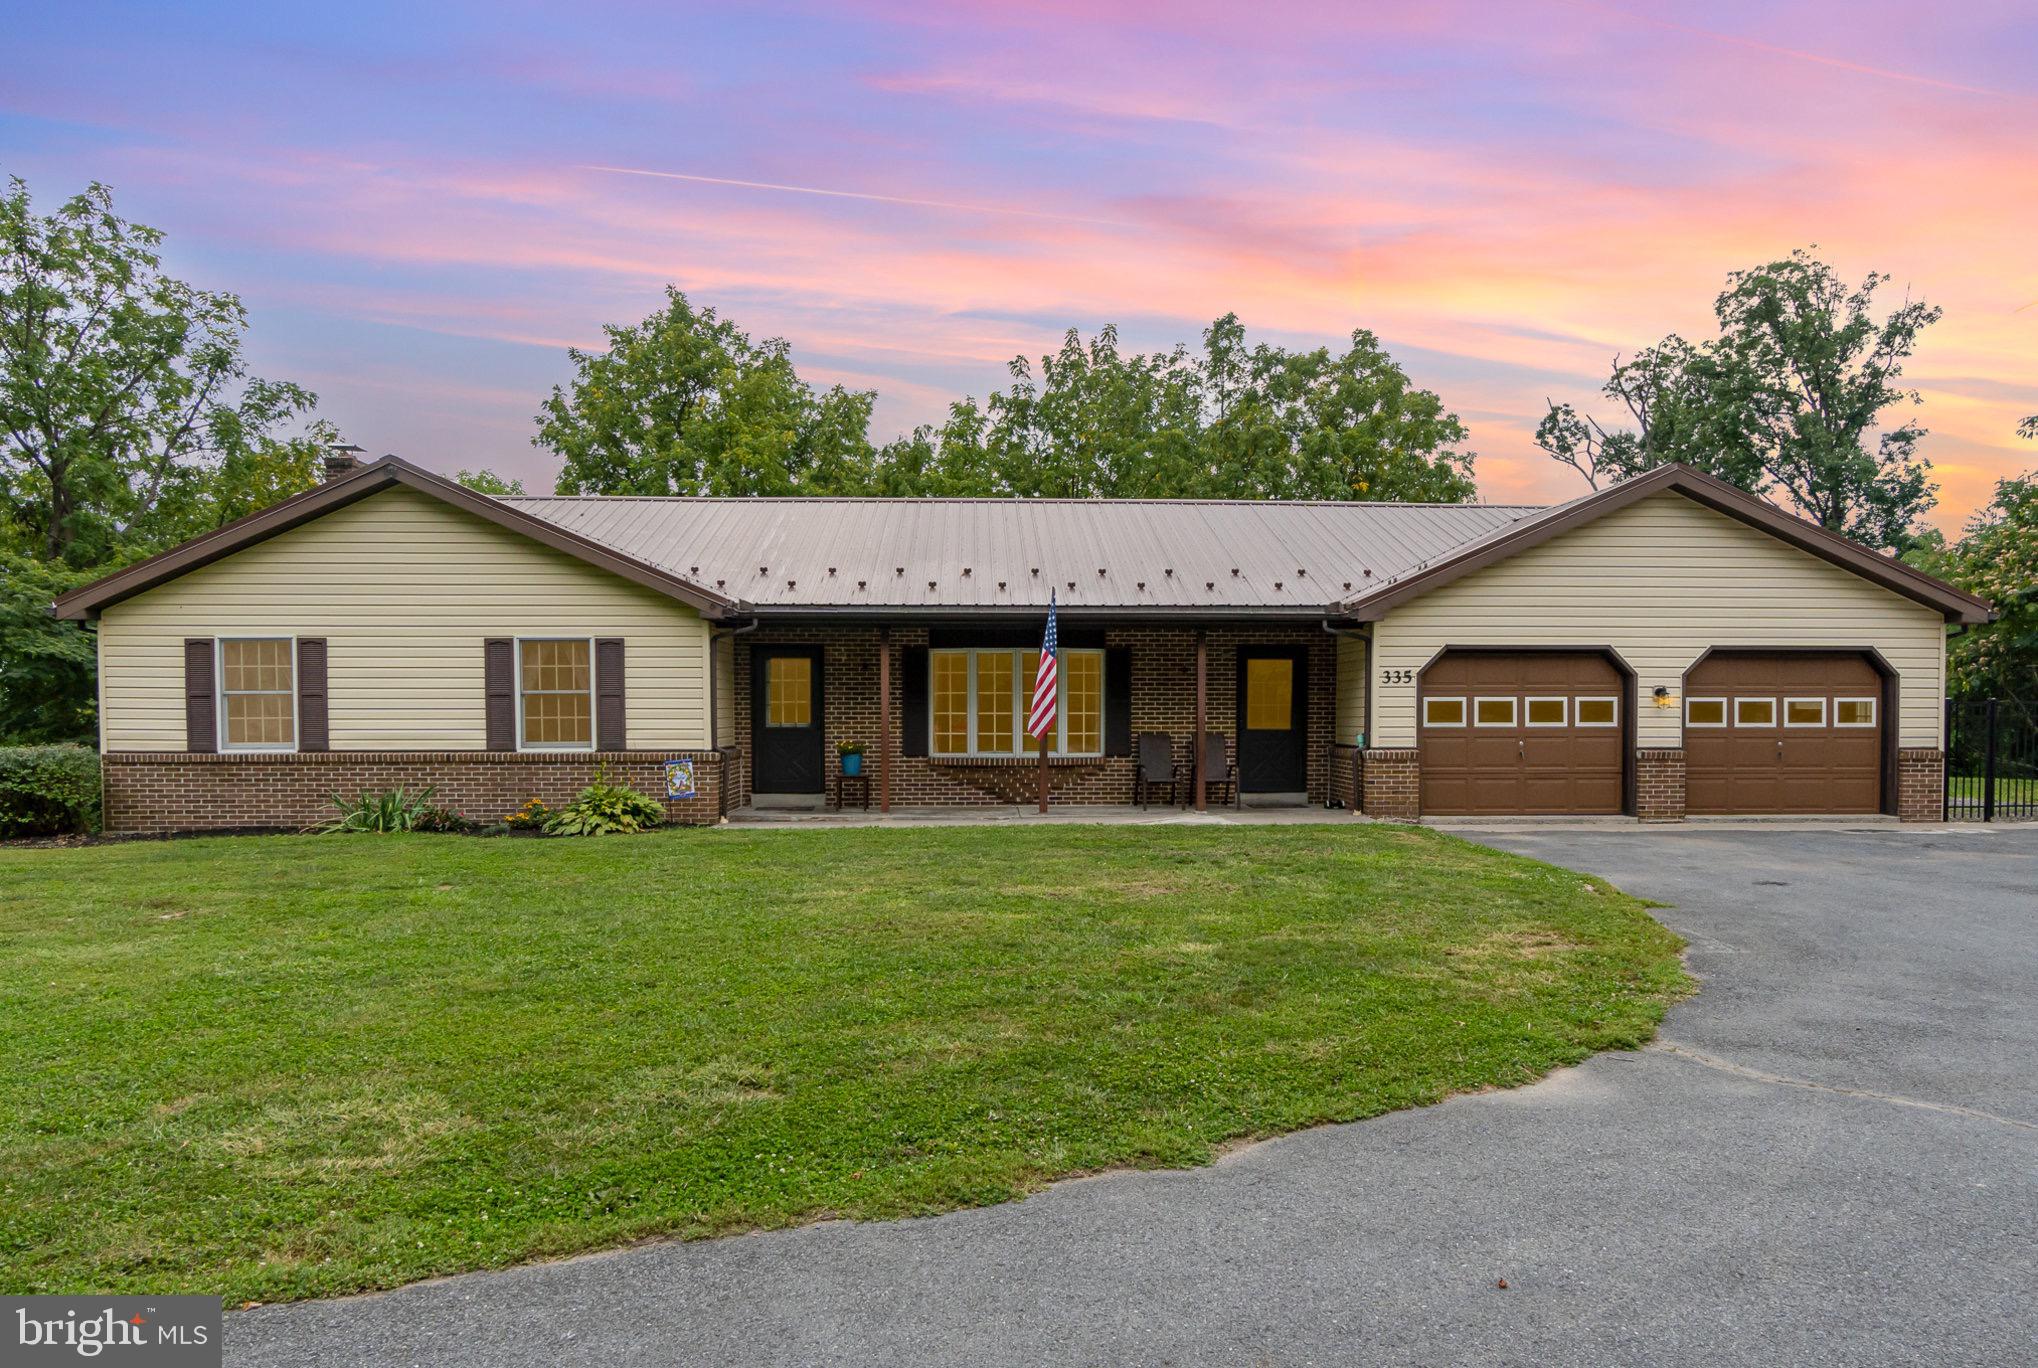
(1830, 1157)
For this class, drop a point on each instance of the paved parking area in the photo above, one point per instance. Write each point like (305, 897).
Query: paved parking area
(1831, 1157)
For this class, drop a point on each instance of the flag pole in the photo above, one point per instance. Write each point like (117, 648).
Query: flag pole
(1043, 774)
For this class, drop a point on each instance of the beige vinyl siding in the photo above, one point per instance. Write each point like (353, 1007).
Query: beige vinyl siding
(1351, 688)
(725, 692)
(404, 589)
(1660, 582)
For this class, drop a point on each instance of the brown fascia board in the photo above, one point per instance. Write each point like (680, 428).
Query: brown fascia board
(1714, 493)
(87, 600)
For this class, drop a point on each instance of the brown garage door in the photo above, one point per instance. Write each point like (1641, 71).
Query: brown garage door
(1505, 733)
(1780, 733)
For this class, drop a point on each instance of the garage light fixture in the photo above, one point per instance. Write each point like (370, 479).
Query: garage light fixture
(1662, 697)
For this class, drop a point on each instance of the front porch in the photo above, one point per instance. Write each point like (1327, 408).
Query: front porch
(927, 703)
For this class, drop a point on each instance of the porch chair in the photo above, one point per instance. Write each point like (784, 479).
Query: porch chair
(1156, 768)
(1218, 771)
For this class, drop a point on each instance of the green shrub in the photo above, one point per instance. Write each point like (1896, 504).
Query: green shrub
(48, 790)
(605, 808)
(395, 810)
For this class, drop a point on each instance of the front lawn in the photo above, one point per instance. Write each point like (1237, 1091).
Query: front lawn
(285, 1067)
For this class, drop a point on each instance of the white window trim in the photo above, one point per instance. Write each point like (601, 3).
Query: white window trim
(1563, 702)
(1464, 710)
(1874, 713)
(1770, 725)
(1726, 713)
(517, 645)
(1578, 716)
(1022, 703)
(1513, 710)
(219, 723)
(1804, 725)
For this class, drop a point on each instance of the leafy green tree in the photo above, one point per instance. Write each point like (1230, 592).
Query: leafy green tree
(686, 403)
(128, 420)
(1792, 400)
(47, 668)
(488, 482)
(1996, 558)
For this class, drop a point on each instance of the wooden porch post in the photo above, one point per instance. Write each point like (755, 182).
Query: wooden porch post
(1202, 713)
(884, 719)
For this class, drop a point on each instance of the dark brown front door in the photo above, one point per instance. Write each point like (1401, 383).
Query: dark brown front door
(1780, 733)
(786, 719)
(1505, 733)
(1273, 745)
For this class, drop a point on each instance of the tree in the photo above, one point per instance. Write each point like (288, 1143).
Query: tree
(686, 403)
(47, 668)
(1996, 558)
(488, 482)
(128, 420)
(1790, 401)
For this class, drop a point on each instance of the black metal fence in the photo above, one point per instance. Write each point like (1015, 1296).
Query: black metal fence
(1991, 759)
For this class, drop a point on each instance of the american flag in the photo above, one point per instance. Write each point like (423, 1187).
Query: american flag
(1040, 721)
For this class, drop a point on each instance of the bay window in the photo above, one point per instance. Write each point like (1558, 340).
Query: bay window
(979, 698)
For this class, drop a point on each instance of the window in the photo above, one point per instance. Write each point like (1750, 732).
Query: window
(1599, 712)
(1492, 712)
(979, 699)
(1705, 712)
(788, 691)
(1269, 693)
(258, 693)
(1804, 712)
(1754, 712)
(1443, 712)
(1547, 712)
(1853, 712)
(555, 694)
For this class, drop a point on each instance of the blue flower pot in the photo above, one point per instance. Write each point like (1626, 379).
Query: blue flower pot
(852, 764)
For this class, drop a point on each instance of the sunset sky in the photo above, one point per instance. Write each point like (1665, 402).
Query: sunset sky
(424, 205)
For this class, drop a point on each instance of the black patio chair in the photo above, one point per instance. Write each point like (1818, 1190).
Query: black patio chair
(1218, 771)
(1156, 768)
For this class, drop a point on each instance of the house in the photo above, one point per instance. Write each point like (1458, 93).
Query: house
(1667, 646)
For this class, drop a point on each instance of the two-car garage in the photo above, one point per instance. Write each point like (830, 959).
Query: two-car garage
(1548, 733)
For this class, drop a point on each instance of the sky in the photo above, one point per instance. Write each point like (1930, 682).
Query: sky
(423, 205)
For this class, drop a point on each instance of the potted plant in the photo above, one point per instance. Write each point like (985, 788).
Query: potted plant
(852, 756)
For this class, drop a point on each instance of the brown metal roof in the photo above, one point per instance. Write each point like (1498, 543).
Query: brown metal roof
(987, 555)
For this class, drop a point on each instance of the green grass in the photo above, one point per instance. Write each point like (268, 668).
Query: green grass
(1970, 789)
(284, 1067)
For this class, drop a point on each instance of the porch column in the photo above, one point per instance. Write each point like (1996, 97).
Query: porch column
(884, 719)
(1202, 714)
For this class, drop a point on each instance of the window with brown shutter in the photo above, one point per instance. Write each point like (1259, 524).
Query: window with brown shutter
(610, 728)
(313, 730)
(201, 703)
(499, 689)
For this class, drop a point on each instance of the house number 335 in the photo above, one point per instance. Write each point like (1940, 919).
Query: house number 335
(1397, 676)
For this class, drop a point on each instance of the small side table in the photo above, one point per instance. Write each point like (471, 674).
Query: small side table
(847, 784)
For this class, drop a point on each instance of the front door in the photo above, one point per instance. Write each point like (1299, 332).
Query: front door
(1273, 745)
(785, 719)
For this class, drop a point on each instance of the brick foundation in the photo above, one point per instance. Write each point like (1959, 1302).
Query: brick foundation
(1920, 786)
(1163, 700)
(1659, 785)
(1392, 781)
(1345, 767)
(173, 791)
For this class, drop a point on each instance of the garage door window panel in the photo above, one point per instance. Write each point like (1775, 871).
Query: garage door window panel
(1493, 712)
(1804, 712)
(1754, 712)
(1547, 712)
(1854, 712)
(1705, 712)
(1598, 712)
(1443, 712)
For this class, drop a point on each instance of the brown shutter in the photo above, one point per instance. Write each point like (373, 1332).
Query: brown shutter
(499, 680)
(312, 731)
(913, 723)
(609, 731)
(1118, 701)
(201, 701)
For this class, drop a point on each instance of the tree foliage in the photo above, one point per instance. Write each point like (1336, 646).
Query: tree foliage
(128, 423)
(1794, 399)
(1996, 558)
(488, 482)
(686, 403)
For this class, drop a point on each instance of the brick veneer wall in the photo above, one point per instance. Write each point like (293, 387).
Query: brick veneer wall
(1345, 767)
(147, 791)
(1392, 781)
(1920, 786)
(1659, 785)
(1163, 700)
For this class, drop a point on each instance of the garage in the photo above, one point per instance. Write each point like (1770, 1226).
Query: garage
(1784, 732)
(1522, 733)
